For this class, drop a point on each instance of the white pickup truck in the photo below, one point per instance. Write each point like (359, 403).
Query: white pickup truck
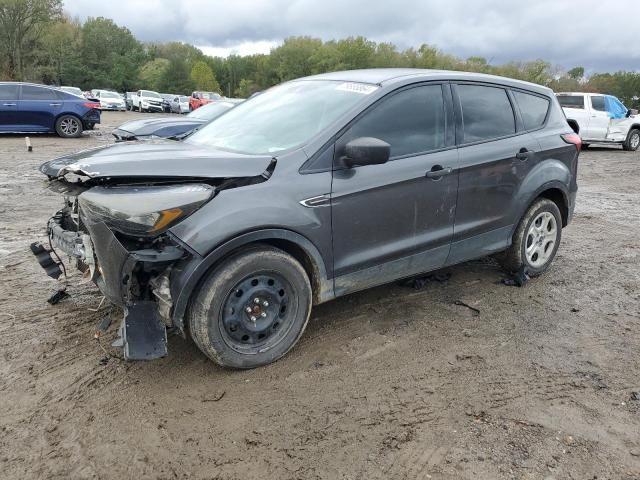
(146, 101)
(602, 119)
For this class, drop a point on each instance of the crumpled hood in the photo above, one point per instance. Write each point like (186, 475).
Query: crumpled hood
(157, 159)
(150, 126)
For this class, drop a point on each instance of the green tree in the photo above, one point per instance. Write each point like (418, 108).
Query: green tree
(152, 73)
(576, 73)
(21, 23)
(203, 77)
(177, 78)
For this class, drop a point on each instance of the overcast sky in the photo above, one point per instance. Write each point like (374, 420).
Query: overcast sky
(596, 34)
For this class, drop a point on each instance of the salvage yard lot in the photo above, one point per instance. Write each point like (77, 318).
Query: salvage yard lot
(392, 383)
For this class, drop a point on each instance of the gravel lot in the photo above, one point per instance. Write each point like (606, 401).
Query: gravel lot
(392, 383)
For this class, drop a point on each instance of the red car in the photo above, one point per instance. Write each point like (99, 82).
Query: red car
(198, 99)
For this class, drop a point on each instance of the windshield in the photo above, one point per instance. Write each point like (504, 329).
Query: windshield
(282, 117)
(147, 93)
(109, 95)
(210, 111)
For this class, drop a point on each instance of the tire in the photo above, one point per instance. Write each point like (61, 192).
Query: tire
(269, 283)
(69, 126)
(516, 257)
(632, 142)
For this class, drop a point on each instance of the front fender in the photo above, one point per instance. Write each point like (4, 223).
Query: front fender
(187, 274)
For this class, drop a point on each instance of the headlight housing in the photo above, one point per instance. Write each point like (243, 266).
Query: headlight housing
(142, 211)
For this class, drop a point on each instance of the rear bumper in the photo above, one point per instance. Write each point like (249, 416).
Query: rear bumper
(92, 116)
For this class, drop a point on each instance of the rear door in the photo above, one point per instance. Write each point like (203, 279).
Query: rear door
(8, 106)
(392, 220)
(496, 153)
(599, 119)
(38, 107)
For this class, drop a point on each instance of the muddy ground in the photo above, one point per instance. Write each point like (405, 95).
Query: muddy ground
(393, 383)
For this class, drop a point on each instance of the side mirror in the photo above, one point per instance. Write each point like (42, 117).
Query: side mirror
(366, 151)
(629, 113)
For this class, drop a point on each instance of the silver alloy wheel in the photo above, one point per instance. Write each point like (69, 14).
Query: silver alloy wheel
(634, 142)
(69, 126)
(541, 239)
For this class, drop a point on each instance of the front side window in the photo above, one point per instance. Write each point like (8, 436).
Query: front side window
(411, 121)
(486, 113)
(533, 109)
(282, 117)
(30, 92)
(8, 92)
(597, 103)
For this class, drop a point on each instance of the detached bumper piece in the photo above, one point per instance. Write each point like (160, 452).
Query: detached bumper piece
(143, 336)
(43, 256)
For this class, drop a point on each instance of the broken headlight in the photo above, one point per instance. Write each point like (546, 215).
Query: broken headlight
(142, 211)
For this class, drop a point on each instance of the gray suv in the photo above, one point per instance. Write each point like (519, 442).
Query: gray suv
(314, 189)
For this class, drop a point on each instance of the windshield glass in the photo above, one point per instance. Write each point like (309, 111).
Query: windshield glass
(282, 117)
(210, 111)
(147, 93)
(109, 95)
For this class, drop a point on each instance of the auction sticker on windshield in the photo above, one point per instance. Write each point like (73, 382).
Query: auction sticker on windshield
(357, 88)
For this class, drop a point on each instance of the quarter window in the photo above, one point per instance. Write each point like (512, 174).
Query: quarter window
(486, 113)
(29, 92)
(597, 103)
(533, 109)
(8, 92)
(411, 121)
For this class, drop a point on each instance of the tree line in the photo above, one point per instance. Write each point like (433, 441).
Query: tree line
(39, 43)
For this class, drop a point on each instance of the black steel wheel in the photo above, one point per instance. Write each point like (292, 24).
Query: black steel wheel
(252, 308)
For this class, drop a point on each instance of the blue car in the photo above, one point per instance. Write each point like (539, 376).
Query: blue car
(30, 108)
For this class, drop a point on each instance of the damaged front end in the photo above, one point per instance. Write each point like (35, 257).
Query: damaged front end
(116, 231)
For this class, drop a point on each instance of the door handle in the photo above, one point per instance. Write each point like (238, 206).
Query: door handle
(9, 104)
(438, 171)
(524, 154)
(55, 104)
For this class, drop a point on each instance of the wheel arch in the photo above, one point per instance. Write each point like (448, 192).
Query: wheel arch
(191, 275)
(555, 191)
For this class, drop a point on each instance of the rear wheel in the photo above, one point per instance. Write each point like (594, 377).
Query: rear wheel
(535, 241)
(69, 126)
(251, 309)
(633, 141)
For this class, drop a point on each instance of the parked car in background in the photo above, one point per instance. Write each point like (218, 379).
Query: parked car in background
(231, 235)
(147, 101)
(180, 104)
(32, 108)
(109, 100)
(172, 127)
(199, 99)
(73, 91)
(602, 119)
(128, 100)
(166, 101)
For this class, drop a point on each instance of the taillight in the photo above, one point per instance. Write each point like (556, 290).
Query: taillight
(574, 139)
(91, 105)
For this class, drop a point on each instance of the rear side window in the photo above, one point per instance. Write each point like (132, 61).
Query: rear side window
(30, 92)
(8, 92)
(571, 101)
(533, 109)
(486, 113)
(411, 121)
(597, 103)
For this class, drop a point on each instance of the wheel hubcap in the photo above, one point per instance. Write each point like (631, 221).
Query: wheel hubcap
(256, 313)
(541, 239)
(69, 126)
(635, 141)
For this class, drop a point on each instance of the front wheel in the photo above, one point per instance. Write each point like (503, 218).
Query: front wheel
(252, 309)
(69, 126)
(633, 141)
(535, 241)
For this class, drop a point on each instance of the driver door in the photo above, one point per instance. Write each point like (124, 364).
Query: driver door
(395, 220)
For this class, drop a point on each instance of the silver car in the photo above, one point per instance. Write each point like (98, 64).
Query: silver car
(179, 104)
